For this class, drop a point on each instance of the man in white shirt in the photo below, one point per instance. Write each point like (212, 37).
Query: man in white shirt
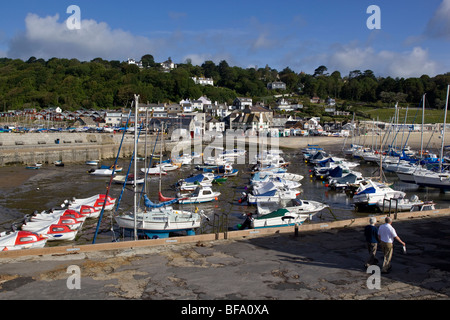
(387, 235)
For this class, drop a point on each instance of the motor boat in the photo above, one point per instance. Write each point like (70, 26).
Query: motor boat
(154, 171)
(129, 180)
(274, 195)
(200, 195)
(35, 226)
(51, 215)
(398, 204)
(96, 202)
(101, 172)
(294, 206)
(370, 192)
(278, 218)
(18, 240)
(205, 179)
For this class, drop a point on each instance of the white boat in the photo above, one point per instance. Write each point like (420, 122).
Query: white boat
(88, 211)
(426, 206)
(35, 226)
(92, 162)
(101, 172)
(279, 218)
(294, 206)
(54, 214)
(96, 202)
(274, 195)
(159, 220)
(427, 178)
(55, 232)
(190, 184)
(166, 167)
(154, 171)
(200, 195)
(127, 180)
(274, 183)
(370, 192)
(399, 204)
(265, 176)
(19, 240)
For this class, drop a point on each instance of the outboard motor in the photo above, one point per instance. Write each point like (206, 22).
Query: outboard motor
(244, 197)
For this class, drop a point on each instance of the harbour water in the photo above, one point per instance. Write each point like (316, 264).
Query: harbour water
(25, 191)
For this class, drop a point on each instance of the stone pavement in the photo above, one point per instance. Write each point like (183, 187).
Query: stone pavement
(319, 265)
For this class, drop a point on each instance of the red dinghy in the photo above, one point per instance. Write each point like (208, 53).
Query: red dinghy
(19, 240)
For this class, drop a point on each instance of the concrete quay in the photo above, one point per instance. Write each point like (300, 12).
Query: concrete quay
(324, 261)
(30, 148)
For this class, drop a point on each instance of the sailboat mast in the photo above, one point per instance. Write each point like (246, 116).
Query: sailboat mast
(443, 133)
(423, 119)
(136, 104)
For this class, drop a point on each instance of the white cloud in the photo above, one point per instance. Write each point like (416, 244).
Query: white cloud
(439, 25)
(412, 63)
(47, 38)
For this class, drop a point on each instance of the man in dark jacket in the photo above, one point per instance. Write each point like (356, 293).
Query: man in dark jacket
(371, 234)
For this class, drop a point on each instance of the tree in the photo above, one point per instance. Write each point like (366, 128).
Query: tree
(320, 71)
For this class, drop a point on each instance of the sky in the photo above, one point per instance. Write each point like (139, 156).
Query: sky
(413, 37)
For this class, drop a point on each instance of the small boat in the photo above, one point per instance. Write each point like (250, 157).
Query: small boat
(19, 240)
(92, 162)
(398, 204)
(56, 232)
(35, 226)
(370, 192)
(96, 202)
(200, 195)
(425, 206)
(190, 184)
(51, 215)
(154, 171)
(58, 163)
(166, 167)
(159, 220)
(36, 166)
(274, 195)
(128, 180)
(118, 169)
(278, 218)
(100, 172)
(294, 206)
(220, 179)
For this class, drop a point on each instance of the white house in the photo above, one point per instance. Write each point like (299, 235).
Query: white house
(114, 119)
(203, 81)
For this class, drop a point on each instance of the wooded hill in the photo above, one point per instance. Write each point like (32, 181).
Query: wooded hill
(73, 84)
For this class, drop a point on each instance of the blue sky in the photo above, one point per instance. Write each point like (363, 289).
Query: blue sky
(414, 38)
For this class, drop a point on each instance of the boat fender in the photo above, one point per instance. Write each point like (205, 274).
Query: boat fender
(287, 217)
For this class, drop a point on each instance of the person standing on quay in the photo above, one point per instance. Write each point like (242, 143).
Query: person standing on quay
(386, 236)
(371, 234)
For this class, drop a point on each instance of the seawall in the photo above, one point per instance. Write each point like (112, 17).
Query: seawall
(30, 148)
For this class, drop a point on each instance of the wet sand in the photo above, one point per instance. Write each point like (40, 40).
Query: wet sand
(10, 178)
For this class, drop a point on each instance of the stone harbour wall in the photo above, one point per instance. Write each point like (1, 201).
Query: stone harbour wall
(31, 148)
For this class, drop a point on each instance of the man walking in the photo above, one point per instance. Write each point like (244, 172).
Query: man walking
(386, 236)
(371, 234)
